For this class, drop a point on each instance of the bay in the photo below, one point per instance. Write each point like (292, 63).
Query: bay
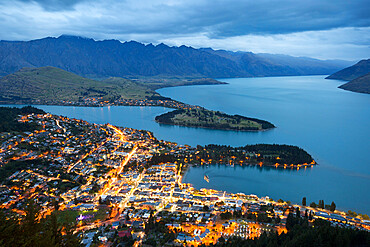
(309, 111)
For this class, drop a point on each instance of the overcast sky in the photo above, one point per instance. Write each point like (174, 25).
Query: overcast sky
(325, 29)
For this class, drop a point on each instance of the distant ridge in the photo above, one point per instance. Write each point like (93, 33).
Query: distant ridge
(358, 75)
(359, 69)
(112, 58)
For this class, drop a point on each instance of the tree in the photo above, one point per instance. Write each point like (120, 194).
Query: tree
(313, 205)
(29, 231)
(304, 201)
(321, 204)
(277, 220)
(55, 204)
(290, 222)
(297, 212)
(30, 225)
(332, 206)
(226, 215)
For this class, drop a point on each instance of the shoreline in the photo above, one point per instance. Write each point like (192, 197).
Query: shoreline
(108, 105)
(280, 166)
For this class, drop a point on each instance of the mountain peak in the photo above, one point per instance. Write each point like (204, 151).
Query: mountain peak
(161, 45)
(99, 59)
(72, 37)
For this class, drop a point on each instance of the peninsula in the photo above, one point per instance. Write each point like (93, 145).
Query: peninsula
(358, 76)
(54, 86)
(203, 118)
(283, 156)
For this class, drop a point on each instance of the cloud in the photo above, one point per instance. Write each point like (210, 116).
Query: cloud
(341, 43)
(215, 21)
(54, 5)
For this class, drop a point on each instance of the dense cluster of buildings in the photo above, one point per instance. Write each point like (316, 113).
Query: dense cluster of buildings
(100, 102)
(105, 180)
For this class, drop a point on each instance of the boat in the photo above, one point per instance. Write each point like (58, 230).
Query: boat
(206, 177)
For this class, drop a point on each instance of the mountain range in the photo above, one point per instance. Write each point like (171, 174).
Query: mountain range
(102, 59)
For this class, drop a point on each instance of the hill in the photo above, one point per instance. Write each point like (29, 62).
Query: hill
(111, 58)
(49, 85)
(359, 85)
(359, 69)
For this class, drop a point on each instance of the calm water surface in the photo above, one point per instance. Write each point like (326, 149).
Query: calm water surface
(309, 111)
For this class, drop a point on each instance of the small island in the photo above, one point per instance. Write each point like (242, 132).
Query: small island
(203, 118)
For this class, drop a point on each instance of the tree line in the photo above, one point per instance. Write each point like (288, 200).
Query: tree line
(28, 231)
(268, 153)
(301, 233)
(9, 122)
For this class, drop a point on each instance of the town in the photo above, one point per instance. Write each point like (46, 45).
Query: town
(122, 185)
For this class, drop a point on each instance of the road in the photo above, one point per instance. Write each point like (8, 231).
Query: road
(86, 155)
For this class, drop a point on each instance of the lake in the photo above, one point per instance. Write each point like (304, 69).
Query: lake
(309, 111)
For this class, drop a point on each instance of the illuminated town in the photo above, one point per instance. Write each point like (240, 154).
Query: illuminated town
(115, 184)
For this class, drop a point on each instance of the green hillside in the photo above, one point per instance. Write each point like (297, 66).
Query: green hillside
(53, 85)
(359, 85)
(131, 89)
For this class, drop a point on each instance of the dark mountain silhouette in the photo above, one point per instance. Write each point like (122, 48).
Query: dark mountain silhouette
(99, 59)
(359, 69)
(358, 85)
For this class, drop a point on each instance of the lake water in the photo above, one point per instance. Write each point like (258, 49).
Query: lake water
(309, 111)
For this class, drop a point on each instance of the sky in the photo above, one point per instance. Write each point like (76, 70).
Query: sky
(324, 29)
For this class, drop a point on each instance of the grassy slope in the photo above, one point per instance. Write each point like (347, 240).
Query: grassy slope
(53, 84)
(186, 120)
(131, 89)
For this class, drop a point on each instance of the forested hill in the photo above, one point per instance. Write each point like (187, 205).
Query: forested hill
(9, 122)
(100, 59)
(203, 118)
(355, 71)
